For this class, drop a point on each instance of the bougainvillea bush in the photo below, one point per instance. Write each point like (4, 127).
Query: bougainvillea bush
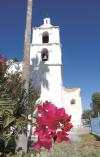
(52, 125)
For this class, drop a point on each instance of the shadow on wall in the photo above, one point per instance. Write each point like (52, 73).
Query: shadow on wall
(38, 74)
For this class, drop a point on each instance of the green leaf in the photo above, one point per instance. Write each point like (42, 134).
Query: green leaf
(1, 112)
(7, 141)
(23, 115)
(10, 111)
(8, 121)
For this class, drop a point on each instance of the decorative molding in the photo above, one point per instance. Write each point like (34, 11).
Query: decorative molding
(46, 44)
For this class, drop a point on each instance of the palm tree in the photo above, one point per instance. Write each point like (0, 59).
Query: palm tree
(26, 59)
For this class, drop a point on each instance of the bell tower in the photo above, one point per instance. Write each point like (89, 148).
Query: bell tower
(46, 62)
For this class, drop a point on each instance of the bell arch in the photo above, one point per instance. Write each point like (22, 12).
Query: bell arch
(45, 37)
(44, 54)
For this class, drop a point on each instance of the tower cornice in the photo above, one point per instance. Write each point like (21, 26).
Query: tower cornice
(45, 28)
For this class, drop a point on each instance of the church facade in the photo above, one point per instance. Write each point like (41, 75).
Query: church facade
(46, 71)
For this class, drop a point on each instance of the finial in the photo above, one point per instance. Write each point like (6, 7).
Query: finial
(47, 21)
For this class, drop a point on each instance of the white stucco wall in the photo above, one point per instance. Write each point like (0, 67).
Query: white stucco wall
(75, 110)
(14, 66)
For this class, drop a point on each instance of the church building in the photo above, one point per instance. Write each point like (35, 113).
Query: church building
(46, 71)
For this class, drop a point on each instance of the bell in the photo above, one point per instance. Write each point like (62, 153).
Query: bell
(45, 58)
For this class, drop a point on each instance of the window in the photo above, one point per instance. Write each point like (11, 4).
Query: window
(73, 101)
(45, 37)
(44, 55)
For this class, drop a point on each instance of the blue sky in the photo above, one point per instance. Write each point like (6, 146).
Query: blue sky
(79, 22)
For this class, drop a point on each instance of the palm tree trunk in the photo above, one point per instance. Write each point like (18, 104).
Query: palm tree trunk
(26, 62)
(26, 59)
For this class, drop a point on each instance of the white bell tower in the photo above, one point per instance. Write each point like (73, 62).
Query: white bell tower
(46, 62)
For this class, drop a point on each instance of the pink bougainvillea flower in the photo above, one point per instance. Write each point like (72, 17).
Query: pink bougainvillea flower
(37, 145)
(62, 136)
(45, 107)
(67, 126)
(52, 124)
(49, 106)
(62, 116)
(44, 141)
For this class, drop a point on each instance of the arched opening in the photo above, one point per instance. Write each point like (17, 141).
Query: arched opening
(44, 55)
(45, 37)
(73, 101)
